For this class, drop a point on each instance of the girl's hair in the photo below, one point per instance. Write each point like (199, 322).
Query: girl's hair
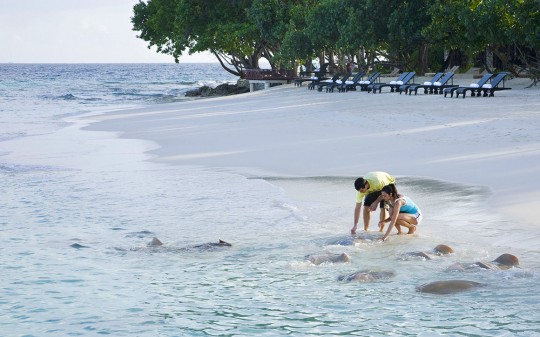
(390, 189)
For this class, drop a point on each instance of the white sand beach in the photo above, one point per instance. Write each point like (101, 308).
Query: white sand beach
(291, 131)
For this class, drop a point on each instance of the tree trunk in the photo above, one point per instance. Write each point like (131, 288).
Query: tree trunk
(422, 65)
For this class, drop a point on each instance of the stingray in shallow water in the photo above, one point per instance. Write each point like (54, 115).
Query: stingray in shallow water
(156, 245)
(78, 246)
(439, 250)
(448, 287)
(318, 259)
(503, 262)
(367, 276)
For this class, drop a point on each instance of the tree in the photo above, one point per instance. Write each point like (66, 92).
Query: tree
(405, 39)
(402, 33)
(218, 26)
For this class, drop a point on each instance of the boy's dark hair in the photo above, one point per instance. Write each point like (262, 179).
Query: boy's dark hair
(359, 183)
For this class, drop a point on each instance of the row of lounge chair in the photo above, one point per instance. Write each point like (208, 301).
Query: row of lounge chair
(440, 83)
(344, 83)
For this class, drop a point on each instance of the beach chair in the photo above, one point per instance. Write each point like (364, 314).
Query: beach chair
(326, 83)
(338, 83)
(299, 81)
(393, 73)
(319, 75)
(405, 87)
(452, 70)
(404, 78)
(369, 81)
(474, 87)
(438, 86)
(494, 85)
(372, 87)
(314, 83)
(351, 85)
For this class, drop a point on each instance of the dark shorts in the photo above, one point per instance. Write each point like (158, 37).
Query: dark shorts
(370, 198)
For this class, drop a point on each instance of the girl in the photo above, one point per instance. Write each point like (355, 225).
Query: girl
(403, 211)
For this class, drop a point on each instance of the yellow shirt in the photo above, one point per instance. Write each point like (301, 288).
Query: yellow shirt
(376, 180)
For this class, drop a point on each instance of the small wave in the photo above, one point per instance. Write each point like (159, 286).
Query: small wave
(13, 168)
(211, 84)
(5, 137)
(188, 82)
(139, 95)
(140, 234)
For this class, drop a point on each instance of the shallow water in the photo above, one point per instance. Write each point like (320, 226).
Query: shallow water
(111, 206)
(260, 285)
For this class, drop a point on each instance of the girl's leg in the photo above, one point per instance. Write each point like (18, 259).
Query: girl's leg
(407, 220)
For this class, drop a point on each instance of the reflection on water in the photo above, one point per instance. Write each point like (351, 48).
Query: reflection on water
(262, 283)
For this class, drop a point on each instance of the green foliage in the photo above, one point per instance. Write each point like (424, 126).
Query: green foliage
(239, 32)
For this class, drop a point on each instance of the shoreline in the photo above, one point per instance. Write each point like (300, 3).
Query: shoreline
(291, 131)
(288, 131)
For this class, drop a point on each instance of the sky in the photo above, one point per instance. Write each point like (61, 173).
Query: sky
(75, 31)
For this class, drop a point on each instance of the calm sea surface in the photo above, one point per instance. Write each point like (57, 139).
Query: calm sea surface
(74, 253)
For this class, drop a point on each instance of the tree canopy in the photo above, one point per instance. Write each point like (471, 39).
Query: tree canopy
(419, 35)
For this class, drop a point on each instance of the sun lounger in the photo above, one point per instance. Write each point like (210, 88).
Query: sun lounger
(369, 81)
(338, 83)
(487, 89)
(299, 81)
(378, 86)
(371, 86)
(325, 83)
(475, 88)
(452, 70)
(314, 83)
(437, 87)
(494, 85)
(405, 87)
(319, 75)
(351, 85)
(393, 73)
(405, 78)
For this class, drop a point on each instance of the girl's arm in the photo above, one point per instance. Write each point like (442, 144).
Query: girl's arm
(394, 212)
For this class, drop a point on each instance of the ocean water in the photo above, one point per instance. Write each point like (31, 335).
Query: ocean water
(75, 260)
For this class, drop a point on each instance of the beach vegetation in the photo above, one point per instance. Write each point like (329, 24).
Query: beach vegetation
(418, 35)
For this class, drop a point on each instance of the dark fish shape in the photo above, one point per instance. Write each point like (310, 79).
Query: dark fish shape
(439, 250)
(503, 262)
(318, 259)
(367, 276)
(78, 246)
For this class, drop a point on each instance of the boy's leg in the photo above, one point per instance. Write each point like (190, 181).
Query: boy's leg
(366, 217)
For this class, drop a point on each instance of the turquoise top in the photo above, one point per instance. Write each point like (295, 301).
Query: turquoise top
(409, 206)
